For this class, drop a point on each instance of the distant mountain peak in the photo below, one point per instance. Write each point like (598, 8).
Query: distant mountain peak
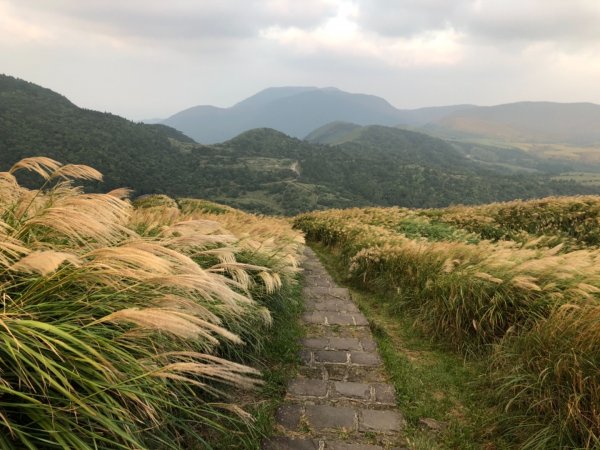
(271, 94)
(294, 110)
(299, 110)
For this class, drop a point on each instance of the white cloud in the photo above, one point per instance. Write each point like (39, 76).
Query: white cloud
(147, 58)
(341, 35)
(17, 29)
(176, 19)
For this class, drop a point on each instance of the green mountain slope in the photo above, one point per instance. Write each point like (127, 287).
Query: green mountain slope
(502, 159)
(38, 121)
(260, 170)
(383, 166)
(334, 133)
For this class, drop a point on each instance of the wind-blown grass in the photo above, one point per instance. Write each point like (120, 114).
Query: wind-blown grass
(530, 308)
(116, 322)
(574, 221)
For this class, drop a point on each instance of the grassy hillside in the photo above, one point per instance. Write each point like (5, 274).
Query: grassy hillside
(134, 327)
(516, 285)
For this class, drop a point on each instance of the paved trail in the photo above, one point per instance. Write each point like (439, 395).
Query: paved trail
(340, 400)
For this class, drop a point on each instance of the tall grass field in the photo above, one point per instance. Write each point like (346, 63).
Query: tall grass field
(128, 326)
(517, 284)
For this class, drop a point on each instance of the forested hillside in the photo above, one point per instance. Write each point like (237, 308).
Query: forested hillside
(260, 170)
(505, 158)
(38, 121)
(381, 166)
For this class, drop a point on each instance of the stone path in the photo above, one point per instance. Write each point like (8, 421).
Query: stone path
(340, 400)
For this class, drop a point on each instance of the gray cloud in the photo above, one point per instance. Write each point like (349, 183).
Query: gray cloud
(495, 20)
(189, 19)
(536, 20)
(151, 58)
(406, 18)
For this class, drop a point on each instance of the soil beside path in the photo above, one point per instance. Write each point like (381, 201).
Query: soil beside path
(340, 399)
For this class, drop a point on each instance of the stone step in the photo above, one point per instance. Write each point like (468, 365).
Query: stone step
(335, 318)
(288, 443)
(371, 394)
(343, 372)
(320, 291)
(311, 266)
(317, 418)
(353, 357)
(315, 330)
(314, 277)
(340, 399)
(365, 344)
(330, 304)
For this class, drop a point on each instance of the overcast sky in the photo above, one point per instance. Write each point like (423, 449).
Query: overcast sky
(151, 58)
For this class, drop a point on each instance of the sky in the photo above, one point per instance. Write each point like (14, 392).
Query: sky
(145, 59)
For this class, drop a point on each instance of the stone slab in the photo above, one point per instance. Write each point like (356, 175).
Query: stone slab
(385, 393)
(306, 356)
(336, 318)
(351, 389)
(368, 344)
(346, 446)
(308, 387)
(365, 358)
(331, 304)
(380, 421)
(320, 343)
(288, 416)
(342, 343)
(360, 320)
(331, 356)
(323, 416)
(319, 291)
(314, 317)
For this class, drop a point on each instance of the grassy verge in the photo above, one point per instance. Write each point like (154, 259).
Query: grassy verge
(277, 359)
(134, 327)
(431, 382)
(530, 310)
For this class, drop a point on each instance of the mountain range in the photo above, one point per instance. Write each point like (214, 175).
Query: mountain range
(265, 170)
(297, 111)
